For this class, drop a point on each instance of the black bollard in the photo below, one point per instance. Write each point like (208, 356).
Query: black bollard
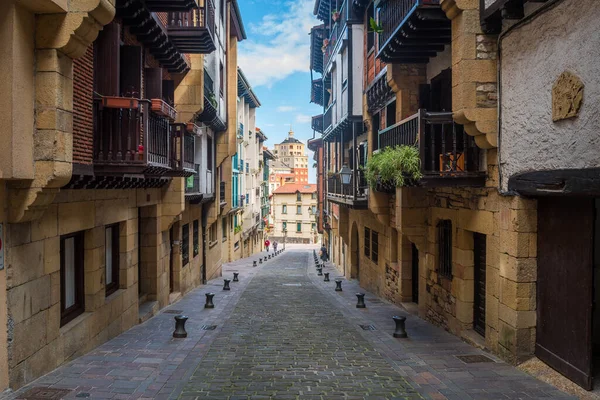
(320, 271)
(265, 258)
(269, 256)
(338, 285)
(180, 327)
(260, 261)
(226, 284)
(361, 300)
(326, 277)
(400, 331)
(209, 300)
(235, 276)
(254, 263)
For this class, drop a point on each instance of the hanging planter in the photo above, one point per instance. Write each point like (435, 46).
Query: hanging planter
(393, 167)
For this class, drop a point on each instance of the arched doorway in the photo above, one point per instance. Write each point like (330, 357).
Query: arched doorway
(355, 253)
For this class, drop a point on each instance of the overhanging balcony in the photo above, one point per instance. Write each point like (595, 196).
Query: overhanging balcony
(413, 31)
(317, 35)
(353, 195)
(129, 138)
(449, 156)
(210, 114)
(316, 91)
(170, 5)
(193, 31)
(199, 187)
(317, 123)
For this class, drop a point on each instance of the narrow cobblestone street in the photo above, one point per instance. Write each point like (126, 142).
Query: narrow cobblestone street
(284, 333)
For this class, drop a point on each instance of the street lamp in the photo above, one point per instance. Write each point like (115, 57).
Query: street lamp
(345, 174)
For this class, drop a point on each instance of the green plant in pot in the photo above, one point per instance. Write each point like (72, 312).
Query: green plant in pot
(392, 167)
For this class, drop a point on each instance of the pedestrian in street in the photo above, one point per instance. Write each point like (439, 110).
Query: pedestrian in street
(275, 246)
(324, 255)
(267, 244)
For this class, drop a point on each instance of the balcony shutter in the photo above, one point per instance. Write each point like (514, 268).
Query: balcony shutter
(107, 60)
(131, 71)
(424, 97)
(153, 83)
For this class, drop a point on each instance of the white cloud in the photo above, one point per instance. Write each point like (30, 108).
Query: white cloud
(284, 47)
(285, 108)
(303, 119)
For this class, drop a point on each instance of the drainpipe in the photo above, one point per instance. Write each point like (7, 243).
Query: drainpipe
(204, 241)
(545, 7)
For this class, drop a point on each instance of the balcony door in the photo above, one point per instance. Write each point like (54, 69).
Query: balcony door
(437, 96)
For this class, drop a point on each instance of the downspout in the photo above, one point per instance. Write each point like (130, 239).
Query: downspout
(204, 244)
(542, 9)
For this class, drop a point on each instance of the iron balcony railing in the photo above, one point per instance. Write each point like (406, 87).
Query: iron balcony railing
(328, 117)
(445, 148)
(356, 190)
(127, 134)
(336, 33)
(182, 149)
(193, 31)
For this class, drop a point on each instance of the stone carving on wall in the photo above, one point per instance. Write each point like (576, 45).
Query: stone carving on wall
(567, 96)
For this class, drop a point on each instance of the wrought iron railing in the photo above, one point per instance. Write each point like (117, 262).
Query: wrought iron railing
(127, 133)
(393, 13)
(350, 191)
(444, 147)
(197, 17)
(336, 33)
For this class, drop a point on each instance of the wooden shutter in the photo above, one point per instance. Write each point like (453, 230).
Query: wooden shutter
(107, 60)
(131, 71)
(153, 83)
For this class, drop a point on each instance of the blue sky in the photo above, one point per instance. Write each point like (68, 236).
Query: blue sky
(275, 59)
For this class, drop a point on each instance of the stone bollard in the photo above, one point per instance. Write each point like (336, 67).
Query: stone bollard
(180, 327)
(320, 271)
(326, 277)
(226, 284)
(209, 300)
(254, 263)
(338, 285)
(361, 300)
(400, 331)
(235, 276)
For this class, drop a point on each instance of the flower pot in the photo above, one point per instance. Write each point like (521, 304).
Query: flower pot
(120, 102)
(161, 108)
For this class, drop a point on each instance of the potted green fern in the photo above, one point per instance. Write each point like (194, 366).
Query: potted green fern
(393, 167)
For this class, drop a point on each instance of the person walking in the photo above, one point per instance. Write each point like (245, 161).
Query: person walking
(324, 255)
(275, 246)
(267, 244)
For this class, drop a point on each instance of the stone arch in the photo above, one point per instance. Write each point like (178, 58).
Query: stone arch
(354, 252)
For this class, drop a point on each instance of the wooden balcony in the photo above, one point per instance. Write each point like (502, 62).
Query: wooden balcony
(317, 34)
(353, 195)
(193, 31)
(316, 91)
(182, 150)
(449, 156)
(413, 31)
(317, 123)
(210, 114)
(170, 5)
(129, 138)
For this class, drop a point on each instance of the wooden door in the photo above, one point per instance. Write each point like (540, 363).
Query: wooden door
(415, 274)
(565, 286)
(479, 297)
(171, 235)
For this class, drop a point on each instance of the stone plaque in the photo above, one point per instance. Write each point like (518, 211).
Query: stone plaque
(567, 95)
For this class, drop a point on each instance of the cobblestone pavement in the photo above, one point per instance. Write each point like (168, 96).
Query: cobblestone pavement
(284, 333)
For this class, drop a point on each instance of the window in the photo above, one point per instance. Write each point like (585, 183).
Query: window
(374, 246)
(313, 226)
(111, 258)
(71, 277)
(298, 196)
(284, 209)
(445, 248)
(313, 196)
(224, 229)
(196, 238)
(299, 227)
(221, 79)
(213, 233)
(185, 244)
(299, 210)
(284, 225)
(367, 243)
(371, 33)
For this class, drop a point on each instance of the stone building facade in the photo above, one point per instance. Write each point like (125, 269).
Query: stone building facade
(294, 210)
(454, 247)
(104, 218)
